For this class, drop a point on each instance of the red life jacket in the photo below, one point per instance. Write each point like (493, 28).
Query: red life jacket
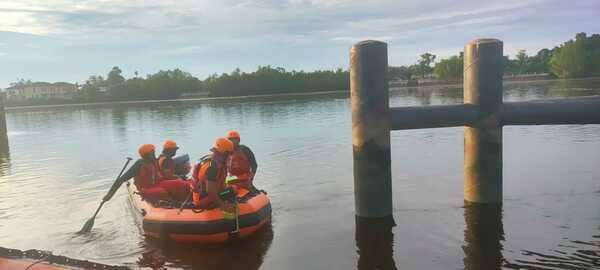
(238, 163)
(146, 176)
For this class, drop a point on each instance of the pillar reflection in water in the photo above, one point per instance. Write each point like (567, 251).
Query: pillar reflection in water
(4, 155)
(375, 242)
(483, 235)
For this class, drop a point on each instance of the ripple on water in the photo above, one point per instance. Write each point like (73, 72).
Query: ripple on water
(62, 162)
(574, 254)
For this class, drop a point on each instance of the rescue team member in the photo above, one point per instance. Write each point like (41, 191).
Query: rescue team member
(241, 163)
(147, 179)
(209, 177)
(166, 164)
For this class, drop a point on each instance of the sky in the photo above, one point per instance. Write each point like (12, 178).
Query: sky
(69, 40)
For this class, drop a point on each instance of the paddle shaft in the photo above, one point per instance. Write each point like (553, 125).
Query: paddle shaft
(117, 179)
(237, 217)
(185, 202)
(90, 223)
(98, 209)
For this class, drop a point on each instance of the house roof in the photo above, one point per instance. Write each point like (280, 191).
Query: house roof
(40, 84)
(63, 84)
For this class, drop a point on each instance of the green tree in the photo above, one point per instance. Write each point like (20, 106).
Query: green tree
(592, 46)
(540, 63)
(114, 77)
(522, 62)
(424, 64)
(569, 61)
(451, 68)
(21, 82)
(401, 72)
(272, 80)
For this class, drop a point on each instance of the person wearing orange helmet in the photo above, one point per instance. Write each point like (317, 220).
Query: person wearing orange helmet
(147, 179)
(166, 164)
(241, 163)
(209, 177)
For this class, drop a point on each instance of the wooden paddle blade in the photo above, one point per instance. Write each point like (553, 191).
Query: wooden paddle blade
(87, 227)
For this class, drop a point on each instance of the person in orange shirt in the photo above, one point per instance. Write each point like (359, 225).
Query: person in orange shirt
(147, 179)
(166, 164)
(209, 177)
(241, 163)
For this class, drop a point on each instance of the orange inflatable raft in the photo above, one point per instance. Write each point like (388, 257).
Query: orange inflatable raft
(22, 264)
(14, 259)
(190, 225)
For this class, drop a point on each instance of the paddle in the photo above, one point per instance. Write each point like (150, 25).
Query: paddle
(87, 227)
(185, 202)
(237, 220)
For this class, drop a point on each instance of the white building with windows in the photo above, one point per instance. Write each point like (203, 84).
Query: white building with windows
(43, 90)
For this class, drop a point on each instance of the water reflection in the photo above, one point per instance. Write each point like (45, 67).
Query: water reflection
(484, 234)
(572, 254)
(245, 254)
(375, 242)
(4, 155)
(119, 120)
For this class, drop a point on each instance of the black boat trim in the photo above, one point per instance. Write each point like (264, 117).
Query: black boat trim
(207, 227)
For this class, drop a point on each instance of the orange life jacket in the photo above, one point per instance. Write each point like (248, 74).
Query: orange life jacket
(146, 176)
(199, 178)
(238, 163)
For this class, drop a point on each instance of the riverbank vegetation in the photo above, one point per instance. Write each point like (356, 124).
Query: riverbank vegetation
(573, 59)
(173, 83)
(576, 58)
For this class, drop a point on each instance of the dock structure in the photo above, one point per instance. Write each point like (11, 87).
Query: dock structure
(483, 114)
(3, 131)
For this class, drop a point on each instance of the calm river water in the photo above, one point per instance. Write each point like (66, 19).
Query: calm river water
(60, 162)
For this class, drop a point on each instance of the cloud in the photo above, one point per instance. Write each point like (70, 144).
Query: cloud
(187, 50)
(155, 34)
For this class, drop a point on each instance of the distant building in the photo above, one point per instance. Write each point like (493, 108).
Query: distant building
(43, 90)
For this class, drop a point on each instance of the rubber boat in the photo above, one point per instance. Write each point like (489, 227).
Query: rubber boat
(14, 259)
(189, 225)
(22, 264)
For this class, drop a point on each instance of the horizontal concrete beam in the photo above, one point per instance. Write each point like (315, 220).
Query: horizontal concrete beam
(579, 110)
(432, 116)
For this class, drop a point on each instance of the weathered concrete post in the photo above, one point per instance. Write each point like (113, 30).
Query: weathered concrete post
(371, 129)
(3, 131)
(483, 70)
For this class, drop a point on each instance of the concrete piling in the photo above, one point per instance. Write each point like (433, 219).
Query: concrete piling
(2, 117)
(483, 69)
(371, 129)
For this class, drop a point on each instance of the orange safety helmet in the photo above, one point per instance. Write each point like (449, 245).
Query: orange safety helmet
(232, 134)
(222, 145)
(170, 144)
(145, 149)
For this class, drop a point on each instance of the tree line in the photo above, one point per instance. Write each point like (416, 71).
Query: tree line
(576, 58)
(167, 84)
(173, 83)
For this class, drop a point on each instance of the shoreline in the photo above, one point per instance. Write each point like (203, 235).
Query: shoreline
(232, 98)
(505, 82)
(158, 101)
